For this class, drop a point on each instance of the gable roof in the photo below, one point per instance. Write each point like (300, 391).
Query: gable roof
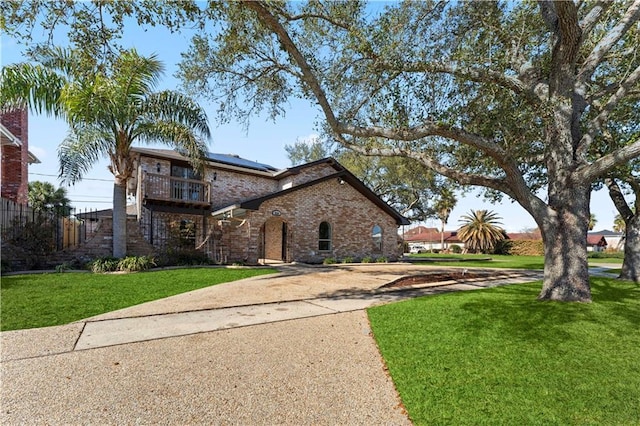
(348, 177)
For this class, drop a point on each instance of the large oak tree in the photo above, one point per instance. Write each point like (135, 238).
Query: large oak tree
(507, 96)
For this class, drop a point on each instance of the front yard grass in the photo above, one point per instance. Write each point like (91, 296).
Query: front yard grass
(499, 356)
(42, 300)
(496, 261)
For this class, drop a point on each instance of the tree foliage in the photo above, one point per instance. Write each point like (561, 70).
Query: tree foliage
(508, 96)
(44, 197)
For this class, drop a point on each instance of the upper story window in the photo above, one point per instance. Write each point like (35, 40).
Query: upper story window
(376, 236)
(184, 172)
(324, 237)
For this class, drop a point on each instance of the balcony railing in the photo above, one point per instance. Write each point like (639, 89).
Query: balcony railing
(176, 190)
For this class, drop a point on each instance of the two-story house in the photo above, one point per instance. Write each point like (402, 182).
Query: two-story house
(243, 211)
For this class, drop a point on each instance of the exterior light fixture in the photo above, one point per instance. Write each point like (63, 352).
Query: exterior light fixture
(158, 167)
(215, 175)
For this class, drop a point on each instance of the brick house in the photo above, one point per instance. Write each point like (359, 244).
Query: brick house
(14, 137)
(244, 211)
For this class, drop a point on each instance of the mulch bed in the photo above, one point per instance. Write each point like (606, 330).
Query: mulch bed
(435, 278)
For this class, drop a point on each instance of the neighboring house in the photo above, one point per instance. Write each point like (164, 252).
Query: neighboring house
(614, 239)
(244, 211)
(14, 135)
(596, 243)
(431, 238)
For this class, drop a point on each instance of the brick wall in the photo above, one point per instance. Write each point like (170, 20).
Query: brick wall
(15, 160)
(351, 215)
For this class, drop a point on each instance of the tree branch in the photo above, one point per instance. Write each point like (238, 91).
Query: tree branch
(618, 199)
(593, 17)
(600, 167)
(602, 48)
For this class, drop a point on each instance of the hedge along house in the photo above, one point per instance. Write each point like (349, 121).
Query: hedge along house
(244, 211)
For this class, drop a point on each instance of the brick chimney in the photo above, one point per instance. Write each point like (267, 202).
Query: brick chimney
(15, 156)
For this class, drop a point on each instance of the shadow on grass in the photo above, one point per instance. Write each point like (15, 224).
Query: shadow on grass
(516, 312)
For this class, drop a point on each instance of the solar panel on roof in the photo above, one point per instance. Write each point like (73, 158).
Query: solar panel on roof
(240, 162)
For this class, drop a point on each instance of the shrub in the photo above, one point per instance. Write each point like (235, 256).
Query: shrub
(63, 267)
(503, 247)
(104, 264)
(136, 263)
(329, 261)
(381, 259)
(367, 259)
(605, 255)
(347, 259)
(435, 251)
(527, 248)
(30, 243)
(455, 248)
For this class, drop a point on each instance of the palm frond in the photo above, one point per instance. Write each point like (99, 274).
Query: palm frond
(25, 85)
(81, 149)
(173, 106)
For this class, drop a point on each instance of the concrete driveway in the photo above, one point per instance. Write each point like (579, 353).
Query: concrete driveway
(290, 348)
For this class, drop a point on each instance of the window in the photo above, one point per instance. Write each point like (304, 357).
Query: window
(324, 237)
(376, 236)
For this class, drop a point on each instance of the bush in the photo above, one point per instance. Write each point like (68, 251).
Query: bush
(605, 255)
(63, 267)
(367, 259)
(527, 248)
(381, 260)
(348, 259)
(329, 261)
(136, 263)
(455, 248)
(503, 247)
(30, 243)
(104, 264)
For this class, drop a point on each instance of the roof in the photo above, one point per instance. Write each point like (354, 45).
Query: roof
(297, 169)
(525, 236)
(212, 157)
(432, 235)
(596, 240)
(419, 230)
(607, 233)
(8, 138)
(348, 177)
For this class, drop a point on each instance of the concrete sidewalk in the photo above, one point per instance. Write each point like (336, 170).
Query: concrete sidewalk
(291, 348)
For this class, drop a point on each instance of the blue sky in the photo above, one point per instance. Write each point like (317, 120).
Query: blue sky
(264, 140)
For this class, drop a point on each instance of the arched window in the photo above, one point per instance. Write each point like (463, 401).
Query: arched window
(324, 237)
(376, 236)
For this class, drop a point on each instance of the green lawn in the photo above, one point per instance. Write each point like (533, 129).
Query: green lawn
(496, 261)
(499, 357)
(42, 300)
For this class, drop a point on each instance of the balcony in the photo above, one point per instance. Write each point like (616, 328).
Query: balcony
(174, 191)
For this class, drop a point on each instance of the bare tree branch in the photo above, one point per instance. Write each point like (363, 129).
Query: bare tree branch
(593, 17)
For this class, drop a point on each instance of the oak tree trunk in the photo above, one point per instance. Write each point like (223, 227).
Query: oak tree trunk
(631, 263)
(119, 219)
(564, 234)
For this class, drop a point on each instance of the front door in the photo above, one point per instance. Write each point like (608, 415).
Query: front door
(275, 239)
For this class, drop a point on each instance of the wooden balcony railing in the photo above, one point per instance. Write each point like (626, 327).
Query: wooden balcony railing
(175, 190)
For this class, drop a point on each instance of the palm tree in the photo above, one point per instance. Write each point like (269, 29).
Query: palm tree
(44, 197)
(592, 221)
(480, 230)
(443, 208)
(108, 109)
(618, 224)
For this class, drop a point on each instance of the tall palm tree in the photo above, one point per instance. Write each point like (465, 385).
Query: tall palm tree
(443, 208)
(592, 221)
(108, 109)
(480, 230)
